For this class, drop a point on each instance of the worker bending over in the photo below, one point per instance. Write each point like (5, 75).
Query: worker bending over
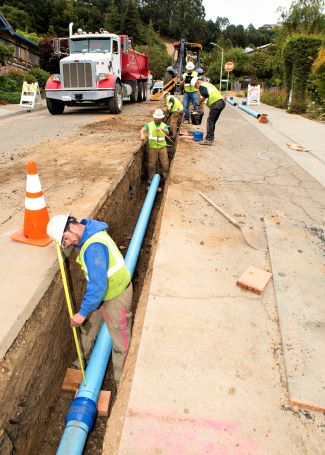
(109, 291)
(157, 131)
(190, 92)
(174, 109)
(213, 98)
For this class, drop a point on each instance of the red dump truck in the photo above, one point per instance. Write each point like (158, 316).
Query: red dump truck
(102, 69)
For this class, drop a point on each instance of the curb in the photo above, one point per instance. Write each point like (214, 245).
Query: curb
(13, 114)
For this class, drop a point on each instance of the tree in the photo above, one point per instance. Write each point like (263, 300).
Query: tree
(131, 20)
(6, 54)
(304, 16)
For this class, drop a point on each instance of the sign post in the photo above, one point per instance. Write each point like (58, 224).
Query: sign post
(30, 95)
(229, 66)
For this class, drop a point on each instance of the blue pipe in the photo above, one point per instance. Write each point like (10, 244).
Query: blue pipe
(81, 416)
(250, 111)
(231, 101)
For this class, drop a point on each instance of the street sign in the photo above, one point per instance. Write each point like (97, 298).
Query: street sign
(229, 66)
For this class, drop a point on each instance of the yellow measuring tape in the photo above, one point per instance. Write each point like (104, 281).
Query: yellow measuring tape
(67, 297)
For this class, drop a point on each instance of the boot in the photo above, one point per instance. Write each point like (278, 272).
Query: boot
(206, 142)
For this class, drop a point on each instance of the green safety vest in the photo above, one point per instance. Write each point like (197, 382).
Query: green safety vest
(188, 87)
(117, 273)
(214, 94)
(156, 138)
(176, 107)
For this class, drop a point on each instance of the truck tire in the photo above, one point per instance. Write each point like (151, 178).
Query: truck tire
(115, 103)
(55, 107)
(141, 92)
(135, 91)
(145, 91)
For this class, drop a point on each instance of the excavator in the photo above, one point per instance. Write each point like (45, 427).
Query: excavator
(183, 53)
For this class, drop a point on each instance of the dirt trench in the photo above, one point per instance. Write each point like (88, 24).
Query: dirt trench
(33, 406)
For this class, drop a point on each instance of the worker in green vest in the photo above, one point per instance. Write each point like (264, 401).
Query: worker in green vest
(108, 295)
(190, 92)
(156, 131)
(214, 100)
(175, 110)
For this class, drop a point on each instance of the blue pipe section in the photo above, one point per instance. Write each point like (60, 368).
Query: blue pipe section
(231, 101)
(81, 416)
(249, 111)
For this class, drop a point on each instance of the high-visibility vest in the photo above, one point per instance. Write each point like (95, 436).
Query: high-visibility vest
(187, 85)
(156, 139)
(214, 94)
(117, 273)
(176, 107)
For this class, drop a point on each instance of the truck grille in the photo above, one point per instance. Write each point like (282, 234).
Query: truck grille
(77, 75)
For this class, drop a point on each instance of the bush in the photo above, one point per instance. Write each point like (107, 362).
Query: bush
(12, 81)
(6, 54)
(12, 98)
(277, 98)
(41, 76)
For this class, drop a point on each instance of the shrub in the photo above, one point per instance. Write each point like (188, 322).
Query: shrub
(6, 54)
(12, 81)
(277, 98)
(12, 98)
(41, 76)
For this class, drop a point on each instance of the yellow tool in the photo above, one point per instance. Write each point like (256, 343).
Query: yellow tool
(67, 297)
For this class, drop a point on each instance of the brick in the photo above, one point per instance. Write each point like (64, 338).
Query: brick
(254, 279)
(72, 380)
(102, 403)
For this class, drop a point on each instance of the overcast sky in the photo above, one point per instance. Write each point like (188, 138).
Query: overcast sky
(257, 12)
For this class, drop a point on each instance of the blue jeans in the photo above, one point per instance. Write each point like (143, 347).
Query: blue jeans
(190, 97)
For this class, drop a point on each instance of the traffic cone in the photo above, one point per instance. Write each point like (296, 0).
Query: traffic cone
(36, 215)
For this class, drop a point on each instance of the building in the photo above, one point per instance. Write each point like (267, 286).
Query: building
(26, 54)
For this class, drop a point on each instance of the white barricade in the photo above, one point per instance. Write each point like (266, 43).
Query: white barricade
(30, 95)
(253, 95)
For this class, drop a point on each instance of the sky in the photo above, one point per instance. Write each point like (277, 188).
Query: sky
(257, 12)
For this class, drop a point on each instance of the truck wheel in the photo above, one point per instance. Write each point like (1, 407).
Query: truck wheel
(115, 103)
(55, 107)
(141, 92)
(145, 91)
(135, 92)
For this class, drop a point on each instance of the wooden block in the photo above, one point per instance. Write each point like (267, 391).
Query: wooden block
(254, 279)
(72, 380)
(102, 403)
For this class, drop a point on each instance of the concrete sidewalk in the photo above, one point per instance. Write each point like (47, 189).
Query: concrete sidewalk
(209, 376)
(11, 110)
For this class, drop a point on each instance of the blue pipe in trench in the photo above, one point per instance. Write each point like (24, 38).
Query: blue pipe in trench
(250, 111)
(82, 413)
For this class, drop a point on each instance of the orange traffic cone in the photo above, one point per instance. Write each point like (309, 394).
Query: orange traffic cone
(36, 215)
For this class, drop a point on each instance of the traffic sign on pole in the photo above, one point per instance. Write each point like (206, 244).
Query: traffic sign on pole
(229, 66)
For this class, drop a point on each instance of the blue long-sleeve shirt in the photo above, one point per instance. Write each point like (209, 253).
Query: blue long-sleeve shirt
(96, 258)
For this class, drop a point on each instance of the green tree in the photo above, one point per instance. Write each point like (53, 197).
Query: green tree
(131, 20)
(304, 16)
(16, 17)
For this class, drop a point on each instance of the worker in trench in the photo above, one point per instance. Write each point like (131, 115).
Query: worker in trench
(210, 95)
(109, 291)
(157, 131)
(190, 92)
(175, 110)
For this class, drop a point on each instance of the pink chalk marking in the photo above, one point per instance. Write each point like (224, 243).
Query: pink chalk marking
(106, 317)
(124, 331)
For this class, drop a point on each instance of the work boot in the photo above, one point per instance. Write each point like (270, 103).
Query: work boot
(206, 142)
(186, 122)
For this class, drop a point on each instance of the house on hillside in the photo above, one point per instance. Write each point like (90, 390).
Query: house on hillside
(252, 51)
(26, 54)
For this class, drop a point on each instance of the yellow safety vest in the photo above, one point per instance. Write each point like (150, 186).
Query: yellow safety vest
(156, 139)
(214, 94)
(117, 273)
(176, 107)
(187, 86)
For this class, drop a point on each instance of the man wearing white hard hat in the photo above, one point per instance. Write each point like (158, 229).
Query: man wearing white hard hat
(157, 131)
(108, 295)
(190, 92)
(175, 110)
(214, 100)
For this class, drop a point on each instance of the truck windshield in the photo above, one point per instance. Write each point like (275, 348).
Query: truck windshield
(90, 45)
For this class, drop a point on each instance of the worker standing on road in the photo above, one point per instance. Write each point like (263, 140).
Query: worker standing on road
(109, 291)
(213, 98)
(175, 110)
(190, 92)
(156, 130)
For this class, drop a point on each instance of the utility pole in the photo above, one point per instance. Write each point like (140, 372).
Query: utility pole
(221, 67)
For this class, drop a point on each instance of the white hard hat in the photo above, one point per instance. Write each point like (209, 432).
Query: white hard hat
(55, 227)
(190, 66)
(194, 81)
(158, 113)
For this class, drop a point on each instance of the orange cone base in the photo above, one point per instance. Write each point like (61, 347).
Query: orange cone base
(20, 237)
